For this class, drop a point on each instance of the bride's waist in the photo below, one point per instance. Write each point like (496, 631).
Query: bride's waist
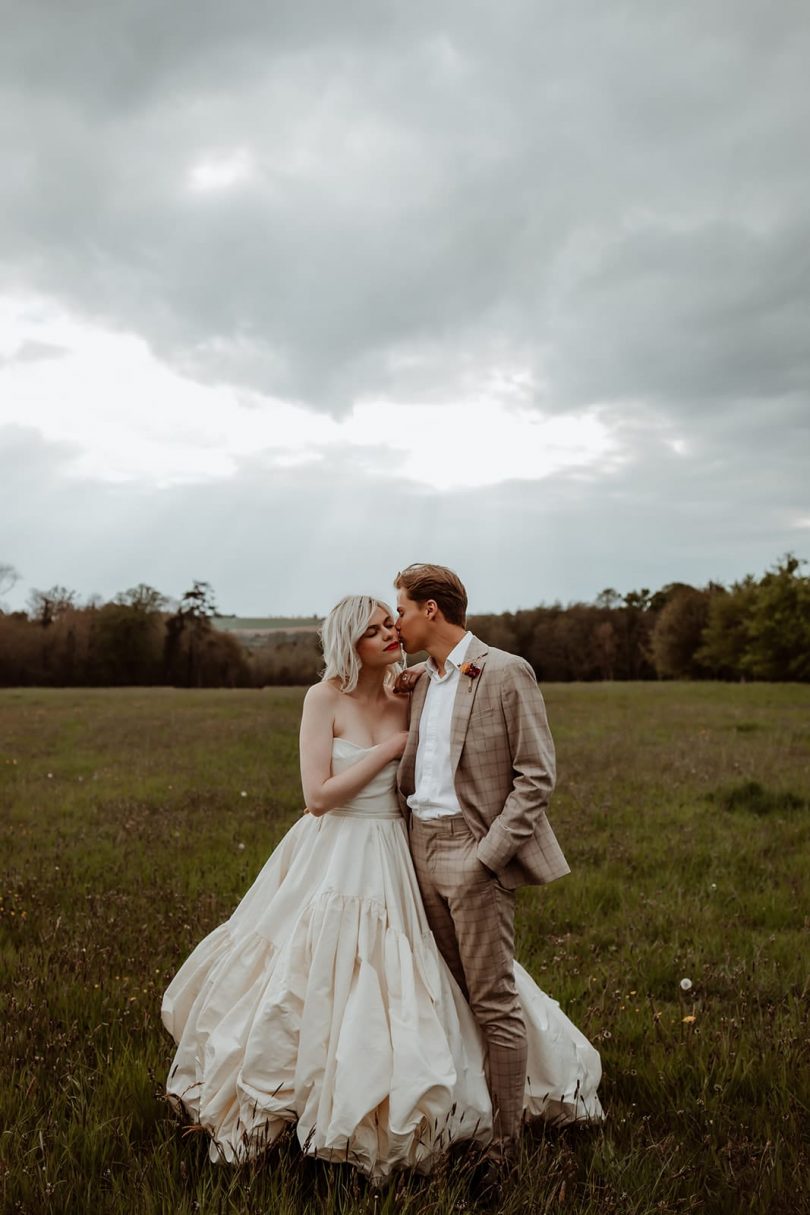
(358, 810)
(377, 816)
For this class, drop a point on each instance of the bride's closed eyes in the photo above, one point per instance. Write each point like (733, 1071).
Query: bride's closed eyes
(374, 629)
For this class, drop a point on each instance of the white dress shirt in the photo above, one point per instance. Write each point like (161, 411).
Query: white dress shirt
(434, 795)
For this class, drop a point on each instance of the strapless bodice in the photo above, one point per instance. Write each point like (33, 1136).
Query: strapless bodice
(378, 799)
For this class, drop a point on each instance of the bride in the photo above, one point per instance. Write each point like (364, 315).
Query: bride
(323, 1000)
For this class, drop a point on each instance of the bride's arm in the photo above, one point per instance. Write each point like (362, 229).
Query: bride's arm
(322, 790)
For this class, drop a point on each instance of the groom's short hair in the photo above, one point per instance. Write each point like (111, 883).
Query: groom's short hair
(422, 582)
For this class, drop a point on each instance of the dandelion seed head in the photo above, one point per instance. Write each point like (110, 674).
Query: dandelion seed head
(686, 984)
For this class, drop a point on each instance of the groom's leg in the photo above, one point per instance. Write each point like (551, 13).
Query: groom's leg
(423, 851)
(473, 919)
(484, 919)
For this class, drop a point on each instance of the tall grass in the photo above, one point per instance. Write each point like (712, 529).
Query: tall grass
(132, 822)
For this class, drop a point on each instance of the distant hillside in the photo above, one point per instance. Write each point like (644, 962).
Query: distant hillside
(268, 624)
(280, 649)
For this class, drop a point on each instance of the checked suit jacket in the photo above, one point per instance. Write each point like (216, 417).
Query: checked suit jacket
(502, 755)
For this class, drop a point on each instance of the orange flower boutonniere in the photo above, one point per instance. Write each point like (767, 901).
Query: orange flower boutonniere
(471, 671)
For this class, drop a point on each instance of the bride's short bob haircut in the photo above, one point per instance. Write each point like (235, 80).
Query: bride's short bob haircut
(340, 633)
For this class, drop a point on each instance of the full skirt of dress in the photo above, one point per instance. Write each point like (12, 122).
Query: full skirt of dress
(323, 1001)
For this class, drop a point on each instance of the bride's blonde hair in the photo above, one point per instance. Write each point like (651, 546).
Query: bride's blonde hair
(340, 633)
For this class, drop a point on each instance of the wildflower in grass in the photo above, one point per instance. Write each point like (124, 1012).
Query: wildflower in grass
(688, 1020)
(686, 984)
(243, 793)
(241, 847)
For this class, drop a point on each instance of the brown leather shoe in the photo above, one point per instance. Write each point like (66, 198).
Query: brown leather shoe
(494, 1174)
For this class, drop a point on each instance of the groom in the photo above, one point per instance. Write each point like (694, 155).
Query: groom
(475, 780)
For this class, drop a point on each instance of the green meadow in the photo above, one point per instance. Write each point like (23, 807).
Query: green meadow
(132, 821)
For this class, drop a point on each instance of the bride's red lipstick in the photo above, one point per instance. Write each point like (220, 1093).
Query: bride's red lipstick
(393, 646)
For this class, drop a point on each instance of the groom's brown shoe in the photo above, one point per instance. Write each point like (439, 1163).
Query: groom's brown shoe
(494, 1174)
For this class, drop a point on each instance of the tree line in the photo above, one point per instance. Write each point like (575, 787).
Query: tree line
(133, 640)
(753, 629)
(756, 629)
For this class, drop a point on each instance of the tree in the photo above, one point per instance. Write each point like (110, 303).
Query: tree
(126, 645)
(660, 599)
(47, 606)
(187, 630)
(634, 624)
(605, 647)
(677, 633)
(198, 603)
(494, 630)
(725, 636)
(608, 598)
(779, 624)
(8, 579)
(144, 598)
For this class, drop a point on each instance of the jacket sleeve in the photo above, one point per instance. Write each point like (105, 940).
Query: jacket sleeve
(533, 763)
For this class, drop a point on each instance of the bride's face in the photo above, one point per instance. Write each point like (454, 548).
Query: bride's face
(379, 646)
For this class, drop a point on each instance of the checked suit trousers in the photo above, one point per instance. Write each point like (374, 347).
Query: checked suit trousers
(472, 917)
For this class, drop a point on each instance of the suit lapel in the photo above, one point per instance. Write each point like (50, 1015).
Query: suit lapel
(464, 700)
(408, 767)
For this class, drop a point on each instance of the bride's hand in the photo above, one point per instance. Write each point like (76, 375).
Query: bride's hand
(407, 680)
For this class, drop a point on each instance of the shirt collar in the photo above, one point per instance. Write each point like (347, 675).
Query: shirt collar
(453, 660)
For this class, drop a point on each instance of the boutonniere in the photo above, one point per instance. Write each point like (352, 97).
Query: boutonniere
(471, 671)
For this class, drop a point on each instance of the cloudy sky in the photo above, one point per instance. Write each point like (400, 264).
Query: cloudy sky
(292, 295)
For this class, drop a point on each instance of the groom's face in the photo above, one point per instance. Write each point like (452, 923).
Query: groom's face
(413, 623)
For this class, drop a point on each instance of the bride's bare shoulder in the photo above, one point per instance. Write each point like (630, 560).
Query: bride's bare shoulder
(323, 692)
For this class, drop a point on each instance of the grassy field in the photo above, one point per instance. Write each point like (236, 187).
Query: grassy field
(131, 822)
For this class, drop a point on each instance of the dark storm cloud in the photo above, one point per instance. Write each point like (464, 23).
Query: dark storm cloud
(563, 206)
(611, 198)
(718, 315)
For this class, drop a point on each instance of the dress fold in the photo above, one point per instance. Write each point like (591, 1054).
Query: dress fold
(323, 1001)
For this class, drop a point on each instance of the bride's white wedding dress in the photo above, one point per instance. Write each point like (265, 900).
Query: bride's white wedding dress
(324, 1001)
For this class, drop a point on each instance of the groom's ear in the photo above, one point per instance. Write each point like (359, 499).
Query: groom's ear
(431, 609)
